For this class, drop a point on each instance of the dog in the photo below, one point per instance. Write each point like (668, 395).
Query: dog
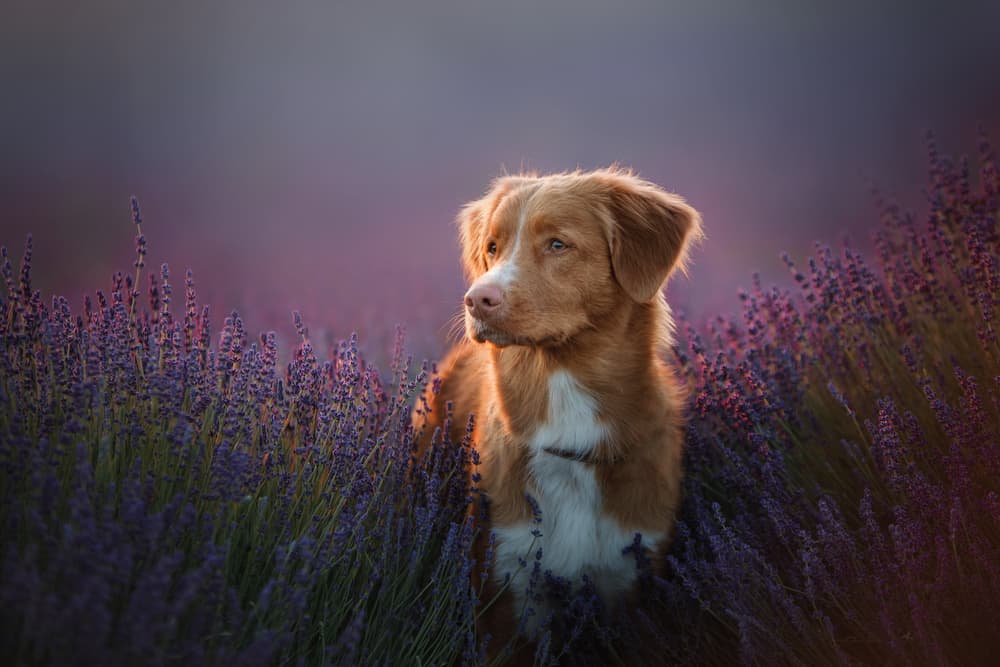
(574, 410)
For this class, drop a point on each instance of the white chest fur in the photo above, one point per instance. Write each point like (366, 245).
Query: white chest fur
(577, 537)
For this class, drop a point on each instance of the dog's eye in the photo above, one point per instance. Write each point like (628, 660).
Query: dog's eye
(555, 245)
(491, 249)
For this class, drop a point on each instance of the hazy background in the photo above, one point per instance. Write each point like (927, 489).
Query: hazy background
(312, 155)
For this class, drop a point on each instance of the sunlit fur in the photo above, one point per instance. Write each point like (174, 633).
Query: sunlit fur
(572, 360)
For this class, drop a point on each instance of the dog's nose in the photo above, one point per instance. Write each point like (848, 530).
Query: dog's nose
(483, 299)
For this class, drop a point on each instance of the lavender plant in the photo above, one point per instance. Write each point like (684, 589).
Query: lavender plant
(166, 500)
(841, 500)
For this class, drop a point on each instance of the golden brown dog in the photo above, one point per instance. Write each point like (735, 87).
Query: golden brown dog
(566, 322)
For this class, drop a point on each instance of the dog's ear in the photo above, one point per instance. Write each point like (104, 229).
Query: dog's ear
(651, 230)
(471, 232)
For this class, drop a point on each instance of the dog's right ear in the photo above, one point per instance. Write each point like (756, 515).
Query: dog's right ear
(471, 232)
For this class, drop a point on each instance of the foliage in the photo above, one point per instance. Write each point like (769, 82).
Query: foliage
(167, 501)
(843, 446)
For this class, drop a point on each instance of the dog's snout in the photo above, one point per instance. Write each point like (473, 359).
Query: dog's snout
(483, 299)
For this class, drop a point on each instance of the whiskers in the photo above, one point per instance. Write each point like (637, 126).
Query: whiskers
(455, 327)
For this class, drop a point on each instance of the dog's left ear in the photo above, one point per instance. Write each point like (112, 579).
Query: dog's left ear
(651, 230)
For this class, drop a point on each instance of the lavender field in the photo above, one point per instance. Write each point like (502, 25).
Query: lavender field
(170, 495)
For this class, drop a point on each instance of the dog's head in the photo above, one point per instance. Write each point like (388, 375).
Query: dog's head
(547, 256)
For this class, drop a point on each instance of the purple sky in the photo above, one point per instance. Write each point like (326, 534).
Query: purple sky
(313, 156)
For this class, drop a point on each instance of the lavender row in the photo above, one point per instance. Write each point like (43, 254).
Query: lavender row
(167, 501)
(173, 496)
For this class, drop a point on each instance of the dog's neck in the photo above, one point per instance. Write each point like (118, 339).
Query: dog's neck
(613, 362)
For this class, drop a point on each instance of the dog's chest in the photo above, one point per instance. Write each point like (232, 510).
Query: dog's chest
(577, 537)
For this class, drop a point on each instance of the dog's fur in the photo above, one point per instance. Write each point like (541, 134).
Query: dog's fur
(562, 370)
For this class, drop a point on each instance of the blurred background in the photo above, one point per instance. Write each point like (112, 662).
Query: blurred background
(312, 155)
